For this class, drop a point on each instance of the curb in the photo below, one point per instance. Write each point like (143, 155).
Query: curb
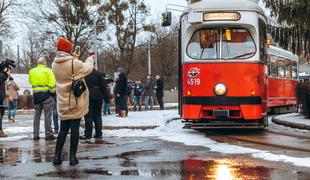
(289, 124)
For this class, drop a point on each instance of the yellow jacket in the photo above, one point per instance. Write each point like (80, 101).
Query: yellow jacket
(42, 79)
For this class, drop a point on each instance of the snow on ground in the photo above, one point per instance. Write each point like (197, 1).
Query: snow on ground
(294, 118)
(173, 132)
(148, 118)
(171, 104)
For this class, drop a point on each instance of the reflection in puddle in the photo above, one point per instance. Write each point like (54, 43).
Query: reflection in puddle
(222, 170)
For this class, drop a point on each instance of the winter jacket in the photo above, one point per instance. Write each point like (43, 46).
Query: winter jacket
(159, 88)
(12, 90)
(138, 89)
(97, 86)
(63, 73)
(42, 80)
(3, 78)
(149, 88)
(121, 86)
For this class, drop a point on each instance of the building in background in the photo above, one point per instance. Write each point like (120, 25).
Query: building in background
(23, 83)
(304, 72)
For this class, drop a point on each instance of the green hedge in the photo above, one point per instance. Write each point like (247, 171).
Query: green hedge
(303, 98)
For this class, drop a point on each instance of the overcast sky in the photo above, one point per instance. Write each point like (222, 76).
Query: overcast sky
(159, 6)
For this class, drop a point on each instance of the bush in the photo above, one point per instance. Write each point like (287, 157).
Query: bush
(303, 98)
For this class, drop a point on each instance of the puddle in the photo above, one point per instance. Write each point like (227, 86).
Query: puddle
(192, 169)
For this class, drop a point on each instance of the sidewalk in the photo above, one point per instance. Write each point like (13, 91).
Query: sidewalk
(168, 106)
(293, 120)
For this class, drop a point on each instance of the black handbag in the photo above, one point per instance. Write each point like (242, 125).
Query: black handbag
(78, 87)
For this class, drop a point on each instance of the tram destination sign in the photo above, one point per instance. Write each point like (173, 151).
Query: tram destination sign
(221, 16)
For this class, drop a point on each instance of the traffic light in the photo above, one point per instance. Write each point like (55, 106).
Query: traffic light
(166, 19)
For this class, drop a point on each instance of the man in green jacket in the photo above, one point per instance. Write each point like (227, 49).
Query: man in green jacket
(43, 82)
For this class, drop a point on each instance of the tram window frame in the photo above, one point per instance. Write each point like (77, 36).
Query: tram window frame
(274, 66)
(288, 69)
(294, 70)
(281, 67)
(219, 48)
(262, 40)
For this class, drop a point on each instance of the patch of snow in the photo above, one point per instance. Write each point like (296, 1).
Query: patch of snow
(171, 104)
(148, 118)
(173, 132)
(17, 129)
(294, 118)
(13, 138)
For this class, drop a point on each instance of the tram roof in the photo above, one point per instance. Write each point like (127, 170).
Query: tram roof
(282, 52)
(227, 5)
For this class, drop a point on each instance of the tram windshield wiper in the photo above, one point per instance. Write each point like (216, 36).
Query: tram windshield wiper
(242, 55)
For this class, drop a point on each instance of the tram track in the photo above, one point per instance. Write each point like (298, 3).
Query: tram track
(249, 139)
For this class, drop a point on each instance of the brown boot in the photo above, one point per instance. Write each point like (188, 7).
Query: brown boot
(2, 134)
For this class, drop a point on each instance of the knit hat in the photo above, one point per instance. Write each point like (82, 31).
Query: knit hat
(64, 45)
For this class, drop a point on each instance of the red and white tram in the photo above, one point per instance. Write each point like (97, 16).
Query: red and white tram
(225, 77)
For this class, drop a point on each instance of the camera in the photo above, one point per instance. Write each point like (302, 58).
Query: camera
(9, 64)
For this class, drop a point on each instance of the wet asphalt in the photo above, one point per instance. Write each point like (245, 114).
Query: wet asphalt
(132, 158)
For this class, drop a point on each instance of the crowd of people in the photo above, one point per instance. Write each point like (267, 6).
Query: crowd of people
(73, 90)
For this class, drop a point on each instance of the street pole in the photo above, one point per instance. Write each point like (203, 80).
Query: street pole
(18, 68)
(1, 49)
(95, 36)
(149, 56)
(95, 43)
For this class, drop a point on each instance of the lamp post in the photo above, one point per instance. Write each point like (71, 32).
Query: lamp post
(95, 35)
(149, 57)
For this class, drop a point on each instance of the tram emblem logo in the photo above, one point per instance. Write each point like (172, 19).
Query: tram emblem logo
(193, 72)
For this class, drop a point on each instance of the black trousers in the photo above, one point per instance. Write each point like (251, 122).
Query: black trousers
(65, 125)
(2, 110)
(123, 103)
(93, 116)
(160, 102)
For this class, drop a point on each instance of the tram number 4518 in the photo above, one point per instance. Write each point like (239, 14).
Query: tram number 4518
(193, 81)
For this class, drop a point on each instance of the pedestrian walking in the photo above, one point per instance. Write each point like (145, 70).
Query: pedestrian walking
(148, 93)
(97, 92)
(42, 80)
(138, 89)
(121, 90)
(55, 116)
(107, 102)
(67, 69)
(3, 77)
(12, 93)
(160, 91)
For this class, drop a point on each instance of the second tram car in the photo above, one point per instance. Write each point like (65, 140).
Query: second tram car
(224, 67)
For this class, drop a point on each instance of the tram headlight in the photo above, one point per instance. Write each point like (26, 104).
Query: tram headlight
(220, 89)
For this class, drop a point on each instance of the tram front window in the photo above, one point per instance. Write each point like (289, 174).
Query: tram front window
(226, 43)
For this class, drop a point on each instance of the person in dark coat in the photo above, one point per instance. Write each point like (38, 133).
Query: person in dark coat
(97, 93)
(137, 90)
(160, 91)
(121, 89)
(3, 77)
(148, 93)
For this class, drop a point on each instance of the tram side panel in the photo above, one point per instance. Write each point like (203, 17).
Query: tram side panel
(281, 92)
(246, 95)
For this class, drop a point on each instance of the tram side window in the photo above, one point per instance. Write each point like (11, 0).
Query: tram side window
(281, 68)
(263, 39)
(294, 70)
(288, 69)
(273, 66)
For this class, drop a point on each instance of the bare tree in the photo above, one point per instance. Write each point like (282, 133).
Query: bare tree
(71, 19)
(5, 6)
(128, 19)
(165, 54)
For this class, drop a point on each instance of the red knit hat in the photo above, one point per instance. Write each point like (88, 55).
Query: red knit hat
(64, 45)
